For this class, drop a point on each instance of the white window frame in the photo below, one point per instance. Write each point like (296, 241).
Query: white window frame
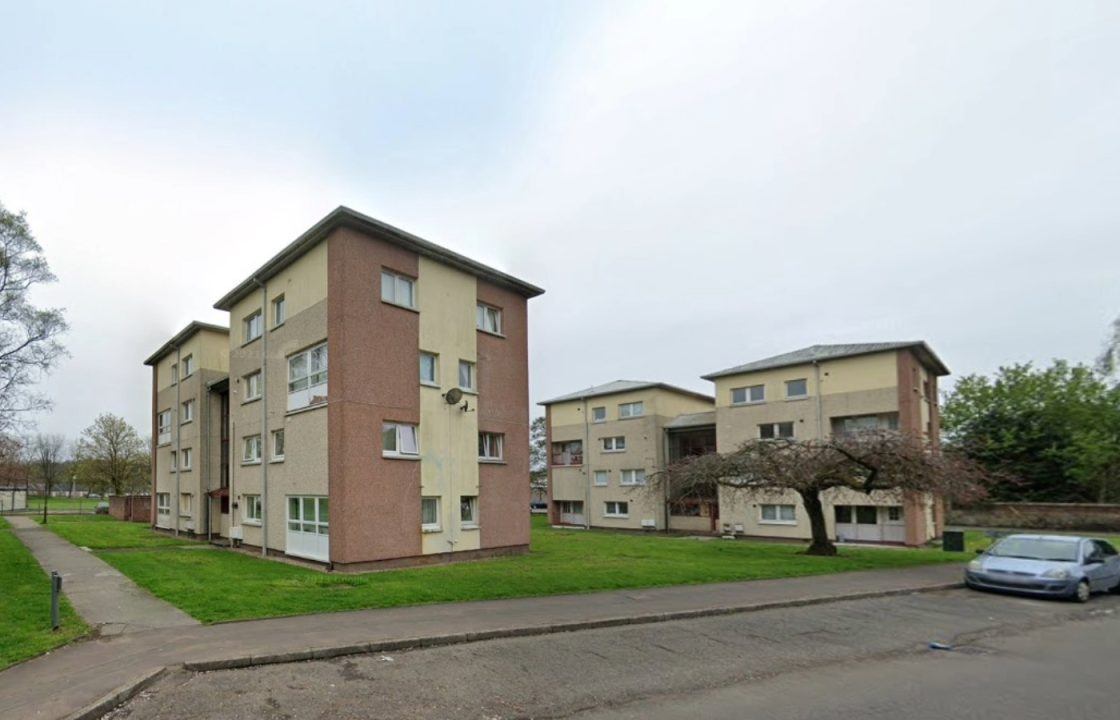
(307, 377)
(251, 513)
(393, 285)
(279, 311)
(780, 516)
(617, 511)
(433, 381)
(802, 395)
(472, 371)
(318, 527)
(613, 445)
(188, 366)
(472, 501)
(777, 427)
(163, 503)
(163, 427)
(189, 497)
(632, 477)
(187, 412)
(488, 319)
(186, 459)
(252, 327)
(748, 392)
(491, 446)
(174, 461)
(595, 414)
(272, 437)
(399, 435)
(253, 387)
(251, 443)
(174, 373)
(626, 411)
(602, 478)
(437, 526)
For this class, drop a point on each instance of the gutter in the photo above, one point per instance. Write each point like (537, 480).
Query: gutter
(177, 412)
(264, 417)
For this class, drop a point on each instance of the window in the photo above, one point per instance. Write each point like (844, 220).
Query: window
(188, 366)
(185, 504)
(777, 514)
(163, 427)
(251, 449)
(429, 369)
(174, 461)
(745, 395)
(174, 373)
(188, 411)
(253, 509)
(615, 509)
(599, 414)
(632, 477)
(614, 444)
(252, 386)
(399, 440)
(163, 503)
(844, 514)
(398, 289)
(567, 453)
(309, 514)
(252, 327)
(894, 513)
(853, 424)
(797, 388)
(631, 410)
(429, 514)
(490, 445)
(186, 461)
(468, 511)
(772, 431)
(307, 377)
(467, 376)
(489, 319)
(867, 515)
(602, 478)
(279, 311)
(277, 445)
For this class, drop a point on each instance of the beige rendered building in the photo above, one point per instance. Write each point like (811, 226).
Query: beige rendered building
(373, 404)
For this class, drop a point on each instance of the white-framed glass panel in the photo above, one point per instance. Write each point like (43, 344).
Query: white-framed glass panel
(778, 514)
(185, 501)
(174, 373)
(567, 453)
(429, 368)
(468, 511)
(490, 445)
(797, 388)
(429, 514)
(251, 449)
(163, 427)
(399, 440)
(467, 379)
(773, 431)
(174, 461)
(598, 414)
(163, 503)
(616, 509)
(279, 311)
(398, 289)
(308, 526)
(252, 326)
(632, 477)
(746, 395)
(602, 478)
(277, 445)
(894, 513)
(188, 411)
(631, 410)
(307, 377)
(188, 366)
(252, 513)
(186, 461)
(253, 386)
(489, 319)
(614, 444)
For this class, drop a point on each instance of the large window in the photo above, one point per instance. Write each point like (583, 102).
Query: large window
(746, 395)
(489, 319)
(773, 431)
(188, 411)
(188, 366)
(598, 414)
(277, 445)
(253, 509)
(398, 289)
(616, 509)
(614, 444)
(429, 514)
(429, 369)
(797, 388)
(467, 379)
(309, 515)
(252, 326)
(252, 386)
(567, 453)
(307, 377)
(163, 427)
(632, 477)
(279, 311)
(163, 503)
(468, 511)
(251, 449)
(399, 440)
(490, 446)
(772, 514)
(631, 410)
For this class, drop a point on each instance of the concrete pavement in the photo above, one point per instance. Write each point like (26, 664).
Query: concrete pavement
(105, 598)
(96, 668)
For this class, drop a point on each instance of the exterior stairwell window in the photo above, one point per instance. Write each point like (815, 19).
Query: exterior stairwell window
(307, 378)
(567, 453)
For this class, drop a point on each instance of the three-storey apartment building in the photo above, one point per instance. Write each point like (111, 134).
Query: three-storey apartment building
(377, 401)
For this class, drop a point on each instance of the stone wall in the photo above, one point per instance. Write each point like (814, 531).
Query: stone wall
(1039, 516)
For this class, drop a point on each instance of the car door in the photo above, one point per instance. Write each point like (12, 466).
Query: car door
(1094, 565)
(1110, 570)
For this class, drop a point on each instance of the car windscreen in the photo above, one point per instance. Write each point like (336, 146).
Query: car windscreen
(1036, 549)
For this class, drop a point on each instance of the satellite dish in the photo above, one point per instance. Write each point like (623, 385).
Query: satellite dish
(453, 396)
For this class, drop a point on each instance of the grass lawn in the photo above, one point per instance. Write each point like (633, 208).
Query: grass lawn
(62, 503)
(25, 605)
(102, 532)
(215, 585)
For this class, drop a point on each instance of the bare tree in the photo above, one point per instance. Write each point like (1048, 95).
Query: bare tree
(860, 461)
(111, 456)
(13, 468)
(29, 344)
(47, 459)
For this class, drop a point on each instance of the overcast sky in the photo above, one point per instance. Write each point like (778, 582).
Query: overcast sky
(696, 185)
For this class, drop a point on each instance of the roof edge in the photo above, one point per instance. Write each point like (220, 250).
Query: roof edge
(194, 326)
(930, 358)
(650, 386)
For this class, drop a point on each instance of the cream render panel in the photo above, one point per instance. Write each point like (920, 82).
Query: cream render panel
(843, 375)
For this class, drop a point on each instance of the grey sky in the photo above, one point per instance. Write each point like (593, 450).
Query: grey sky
(696, 185)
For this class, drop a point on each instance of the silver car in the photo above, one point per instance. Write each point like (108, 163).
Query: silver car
(1047, 565)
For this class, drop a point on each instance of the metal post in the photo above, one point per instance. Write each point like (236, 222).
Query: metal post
(56, 588)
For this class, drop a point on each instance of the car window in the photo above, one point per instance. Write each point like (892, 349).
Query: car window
(1105, 548)
(1034, 548)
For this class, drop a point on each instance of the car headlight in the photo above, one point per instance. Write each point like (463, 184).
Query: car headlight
(1056, 574)
(976, 566)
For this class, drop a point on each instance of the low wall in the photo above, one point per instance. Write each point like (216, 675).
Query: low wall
(134, 508)
(1039, 516)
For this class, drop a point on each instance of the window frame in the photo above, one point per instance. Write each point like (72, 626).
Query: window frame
(188, 366)
(394, 278)
(434, 382)
(247, 326)
(611, 444)
(472, 502)
(396, 453)
(163, 503)
(433, 527)
(279, 307)
(483, 313)
(313, 520)
(246, 459)
(487, 439)
(635, 481)
(565, 450)
(163, 430)
(186, 411)
(473, 370)
(274, 456)
(604, 474)
(776, 428)
(313, 382)
(252, 379)
(174, 461)
(747, 393)
(186, 459)
(190, 504)
(252, 501)
(618, 512)
(630, 415)
(797, 397)
(778, 518)
(595, 412)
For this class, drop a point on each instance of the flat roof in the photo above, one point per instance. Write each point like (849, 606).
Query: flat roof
(622, 386)
(181, 337)
(817, 353)
(343, 216)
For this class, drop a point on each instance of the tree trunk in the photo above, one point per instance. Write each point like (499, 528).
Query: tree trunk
(821, 544)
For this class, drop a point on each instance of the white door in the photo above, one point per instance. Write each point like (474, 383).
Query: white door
(894, 523)
(571, 512)
(308, 527)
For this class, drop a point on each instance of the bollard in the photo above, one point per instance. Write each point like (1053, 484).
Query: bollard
(56, 588)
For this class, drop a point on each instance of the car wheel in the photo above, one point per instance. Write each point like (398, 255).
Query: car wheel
(1116, 587)
(1082, 593)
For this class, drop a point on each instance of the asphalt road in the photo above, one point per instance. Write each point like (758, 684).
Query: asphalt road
(1014, 657)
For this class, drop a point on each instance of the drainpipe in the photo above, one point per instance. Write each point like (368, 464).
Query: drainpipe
(177, 413)
(264, 417)
(586, 469)
(820, 406)
(204, 444)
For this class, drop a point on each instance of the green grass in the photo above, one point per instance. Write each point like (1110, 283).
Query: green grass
(216, 585)
(102, 532)
(25, 605)
(62, 503)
